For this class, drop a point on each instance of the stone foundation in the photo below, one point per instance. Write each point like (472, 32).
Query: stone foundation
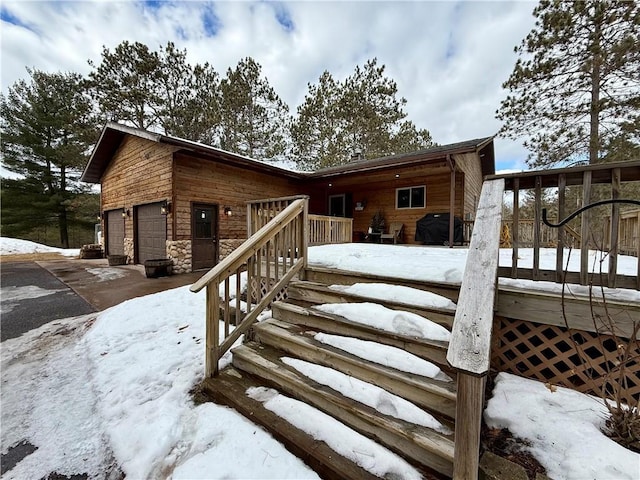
(228, 245)
(180, 252)
(128, 249)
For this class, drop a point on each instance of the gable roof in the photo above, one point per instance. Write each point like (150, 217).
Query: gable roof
(114, 133)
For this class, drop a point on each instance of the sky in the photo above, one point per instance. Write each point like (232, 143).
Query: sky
(90, 392)
(449, 58)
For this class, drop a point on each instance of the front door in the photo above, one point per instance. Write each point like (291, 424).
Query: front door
(204, 235)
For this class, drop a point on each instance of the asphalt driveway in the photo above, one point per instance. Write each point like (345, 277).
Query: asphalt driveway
(31, 296)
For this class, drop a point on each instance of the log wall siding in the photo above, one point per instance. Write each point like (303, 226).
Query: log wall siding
(469, 163)
(140, 172)
(203, 181)
(381, 195)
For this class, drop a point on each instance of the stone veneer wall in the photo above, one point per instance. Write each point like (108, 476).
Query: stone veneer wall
(180, 252)
(228, 245)
(128, 249)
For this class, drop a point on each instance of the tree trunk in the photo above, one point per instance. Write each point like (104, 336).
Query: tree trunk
(594, 134)
(62, 225)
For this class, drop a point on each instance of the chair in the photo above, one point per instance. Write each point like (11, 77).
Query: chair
(396, 233)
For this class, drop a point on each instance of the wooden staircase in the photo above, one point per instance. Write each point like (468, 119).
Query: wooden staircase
(265, 360)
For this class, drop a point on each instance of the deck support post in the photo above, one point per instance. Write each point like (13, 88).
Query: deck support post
(470, 405)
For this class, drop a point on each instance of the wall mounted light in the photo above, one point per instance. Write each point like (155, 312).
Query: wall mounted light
(165, 208)
(331, 185)
(99, 217)
(126, 213)
(227, 211)
(397, 175)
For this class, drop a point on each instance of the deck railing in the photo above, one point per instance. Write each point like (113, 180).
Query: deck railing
(269, 259)
(548, 236)
(628, 233)
(325, 230)
(470, 345)
(607, 178)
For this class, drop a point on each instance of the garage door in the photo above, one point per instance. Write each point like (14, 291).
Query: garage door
(151, 232)
(115, 232)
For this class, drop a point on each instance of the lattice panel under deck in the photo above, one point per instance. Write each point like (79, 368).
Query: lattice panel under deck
(264, 287)
(548, 353)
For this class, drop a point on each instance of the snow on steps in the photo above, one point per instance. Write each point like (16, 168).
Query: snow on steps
(318, 293)
(289, 311)
(418, 444)
(435, 396)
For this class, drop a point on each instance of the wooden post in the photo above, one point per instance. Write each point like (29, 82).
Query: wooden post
(304, 238)
(452, 200)
(213, 330)
(537, 215)
(469, 408)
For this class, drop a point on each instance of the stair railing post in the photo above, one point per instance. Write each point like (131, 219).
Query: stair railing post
(213, 329)
(469, 408)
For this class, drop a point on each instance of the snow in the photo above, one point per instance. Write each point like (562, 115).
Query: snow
(397, 293)
(367, 394)
(106, 274)
(563, 427)
(12, 295)
(350, 444)
(383, 318)
(384, 355)
(112, 391)
(14, 246)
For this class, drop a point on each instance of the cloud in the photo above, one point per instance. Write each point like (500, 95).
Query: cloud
(449, 59)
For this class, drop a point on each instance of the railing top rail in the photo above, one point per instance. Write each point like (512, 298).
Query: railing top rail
(601, 173)
(470, 344)
(278, 199)
(254, 242)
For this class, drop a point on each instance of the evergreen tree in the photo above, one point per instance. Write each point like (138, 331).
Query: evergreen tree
(577, 81)
(362, 114)
(254, 119)
(126, 85)
(47, 128)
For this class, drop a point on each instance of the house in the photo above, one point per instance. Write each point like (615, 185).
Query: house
(166, 197)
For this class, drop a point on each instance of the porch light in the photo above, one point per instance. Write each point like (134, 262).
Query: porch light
(126, 213)
(397, 175)
(227, 211)
(165, 208)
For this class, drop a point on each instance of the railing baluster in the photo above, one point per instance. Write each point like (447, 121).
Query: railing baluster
(238, 295)
(515, 231)
(226, 309)
(584, 251)
(615, 225)
(537, 216)
(562, 184)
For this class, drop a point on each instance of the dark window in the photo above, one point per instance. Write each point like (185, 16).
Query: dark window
(203, 222)
(411, 197)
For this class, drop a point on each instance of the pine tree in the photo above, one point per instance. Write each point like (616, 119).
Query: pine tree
(254, 119)
(577, 81)
(47, 130)
(362, 114)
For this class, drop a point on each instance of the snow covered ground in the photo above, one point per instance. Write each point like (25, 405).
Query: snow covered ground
(113, 392)
(14, 246)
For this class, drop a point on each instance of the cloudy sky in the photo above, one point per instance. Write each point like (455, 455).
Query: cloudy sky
(448, 58)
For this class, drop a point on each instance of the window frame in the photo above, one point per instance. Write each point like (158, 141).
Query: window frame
(410, 189)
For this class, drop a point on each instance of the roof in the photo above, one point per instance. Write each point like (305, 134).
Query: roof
(114, 133)
(434, 153)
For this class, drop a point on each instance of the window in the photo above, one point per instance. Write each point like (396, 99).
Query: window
(411, 197)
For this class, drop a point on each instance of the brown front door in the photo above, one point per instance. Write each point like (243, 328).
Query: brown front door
(204, 235)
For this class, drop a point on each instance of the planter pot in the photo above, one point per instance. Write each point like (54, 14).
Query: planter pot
(159, 267)
(117, 260)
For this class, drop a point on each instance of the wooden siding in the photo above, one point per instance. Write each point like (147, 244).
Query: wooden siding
(204, 181)
(379, 191)
(139, 173)
(469, 164)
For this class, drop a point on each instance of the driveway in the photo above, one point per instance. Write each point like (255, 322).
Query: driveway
(35, 293)
(31, 297)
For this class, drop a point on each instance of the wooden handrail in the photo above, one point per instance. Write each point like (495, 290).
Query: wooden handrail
(280, 247)
(325, 230)
(470, 344)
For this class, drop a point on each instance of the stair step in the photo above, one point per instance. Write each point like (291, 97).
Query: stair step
(318, 293)
(229, 388)
(432, 350)
(330, 276)
(437, 396)
(421, 445)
